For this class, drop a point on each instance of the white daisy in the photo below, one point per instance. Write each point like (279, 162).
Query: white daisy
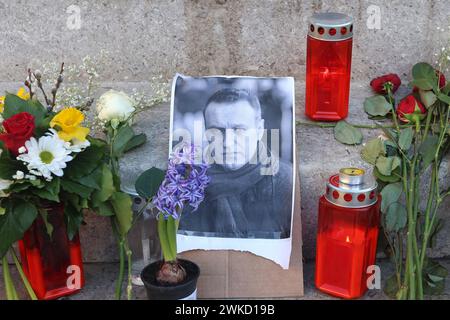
(78, 146)
(46, 157)
(74, 146)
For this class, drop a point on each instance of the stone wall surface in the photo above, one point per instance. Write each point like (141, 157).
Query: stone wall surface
(205, 37)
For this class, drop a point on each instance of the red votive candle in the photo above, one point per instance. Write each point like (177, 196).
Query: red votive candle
(347, 234)
(328, 66)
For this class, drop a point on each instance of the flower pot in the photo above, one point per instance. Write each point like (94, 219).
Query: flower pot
(187, 290)
(53, 265)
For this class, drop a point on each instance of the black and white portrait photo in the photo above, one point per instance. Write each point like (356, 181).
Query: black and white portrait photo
(244, 126)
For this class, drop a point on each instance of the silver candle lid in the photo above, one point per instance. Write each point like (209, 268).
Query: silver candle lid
(330, 26)
(351, 188)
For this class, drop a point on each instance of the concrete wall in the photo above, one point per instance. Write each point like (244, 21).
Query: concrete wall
(204, 37)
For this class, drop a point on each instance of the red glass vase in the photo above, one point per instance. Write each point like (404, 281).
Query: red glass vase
(53, 265)
(347, 236)
(328, 66)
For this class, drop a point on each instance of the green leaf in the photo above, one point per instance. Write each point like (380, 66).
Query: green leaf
(50, 190)
(428, 97)
(105, 209)
(372, 150)
(74, 187)
(390, 194)
(135, 142)
(123, 137)
(405, 139)
(107, 187)
(428, 150)
(434, 275)
(73, 200)
(8, 166)
(92, 180)
(444, 98)
(389, 179)
(85, 162)
(395, 217)
(377, 106)
(386, 165)
(15, 105)
(424, 76)
(347, 134)
(73, 218)
(97, 143)
(121, 203)
(147, 184)
(446, 89)
(18, 218)
(19, 186)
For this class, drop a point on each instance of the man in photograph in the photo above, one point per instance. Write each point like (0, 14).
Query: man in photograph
(241, 201)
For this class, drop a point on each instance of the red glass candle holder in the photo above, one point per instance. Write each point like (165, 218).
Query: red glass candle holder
(53, 265)
(347, 234)
(328, 66)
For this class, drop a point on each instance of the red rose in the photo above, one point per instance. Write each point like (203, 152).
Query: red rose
(378, 84)
(442, 80)
(410, 109)
(18, 129)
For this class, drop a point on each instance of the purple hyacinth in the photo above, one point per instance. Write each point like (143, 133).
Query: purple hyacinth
(184, 183)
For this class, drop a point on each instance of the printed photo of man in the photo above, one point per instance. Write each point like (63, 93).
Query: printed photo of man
(241, 200)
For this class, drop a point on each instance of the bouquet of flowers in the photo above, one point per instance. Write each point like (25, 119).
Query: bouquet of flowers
(48, 156)
(406, 158)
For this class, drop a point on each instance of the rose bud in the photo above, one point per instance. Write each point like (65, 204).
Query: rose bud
(442, 80)
(379, 84)
(410, 110)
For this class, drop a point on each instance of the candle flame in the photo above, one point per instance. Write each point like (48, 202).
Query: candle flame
(347, 239)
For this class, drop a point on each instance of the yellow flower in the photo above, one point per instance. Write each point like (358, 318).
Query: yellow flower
(2, 103)
(68, 123)
(21, 93)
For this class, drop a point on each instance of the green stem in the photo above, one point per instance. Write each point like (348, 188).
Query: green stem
(129, 261)
(400, 259)
(428, 121)
(11, 293)
(411, 270)
(26, 283)
(163, 239)
(415, 245)
(430, 202)
(172, 235)
(394, 114)
(121, 270)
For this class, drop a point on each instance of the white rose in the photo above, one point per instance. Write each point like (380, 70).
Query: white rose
(114, 105)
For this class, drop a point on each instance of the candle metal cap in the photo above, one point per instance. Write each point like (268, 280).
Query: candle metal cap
(352, 188)
(330, 26)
